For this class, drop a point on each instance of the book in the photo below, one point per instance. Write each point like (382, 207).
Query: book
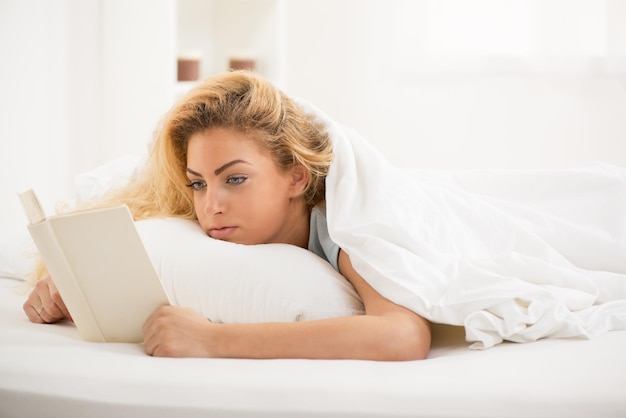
(100, 267)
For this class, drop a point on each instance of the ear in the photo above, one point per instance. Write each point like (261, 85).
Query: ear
(299, 180)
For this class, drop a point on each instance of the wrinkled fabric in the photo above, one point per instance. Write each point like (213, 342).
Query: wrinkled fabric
(514, 255)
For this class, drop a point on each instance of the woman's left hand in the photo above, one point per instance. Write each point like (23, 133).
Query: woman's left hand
(172, 331)
(44, 304)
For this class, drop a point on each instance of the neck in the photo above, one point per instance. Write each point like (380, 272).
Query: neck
(298, 233)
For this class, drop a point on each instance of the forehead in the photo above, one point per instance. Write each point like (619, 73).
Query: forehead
(211, 148)
(222, 138)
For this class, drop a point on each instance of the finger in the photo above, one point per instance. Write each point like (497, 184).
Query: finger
(153, 330)
(147, 326)
(159, 312)
(50, 312)
(30, 308)
(150, 341)
(34, 305)
(46, 301)
(58, 301)
(149, 345)
(149, 335)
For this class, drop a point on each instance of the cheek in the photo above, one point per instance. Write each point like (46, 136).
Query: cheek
(197, 206)
(272, 208)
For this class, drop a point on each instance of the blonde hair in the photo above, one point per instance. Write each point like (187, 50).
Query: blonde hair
(237, 100)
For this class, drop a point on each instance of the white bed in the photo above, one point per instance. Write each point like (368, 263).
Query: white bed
(48, 371)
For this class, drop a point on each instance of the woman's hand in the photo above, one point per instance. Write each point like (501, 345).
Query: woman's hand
(172, 331)
(44, 304)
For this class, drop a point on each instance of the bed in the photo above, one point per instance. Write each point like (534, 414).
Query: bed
(48, 371)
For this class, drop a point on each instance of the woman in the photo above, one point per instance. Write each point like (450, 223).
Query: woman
(245, 161)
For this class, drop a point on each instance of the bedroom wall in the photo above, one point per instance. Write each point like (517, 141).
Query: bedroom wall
(537, 84)
(479, 84)
(83, 82)
(33, 103)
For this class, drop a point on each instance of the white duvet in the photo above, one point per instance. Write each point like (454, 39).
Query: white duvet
(511, 255)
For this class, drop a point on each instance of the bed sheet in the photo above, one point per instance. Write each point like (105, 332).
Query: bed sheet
(47, 371)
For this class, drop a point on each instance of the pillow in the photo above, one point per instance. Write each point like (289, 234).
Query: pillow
(225, 282)
(234, 283)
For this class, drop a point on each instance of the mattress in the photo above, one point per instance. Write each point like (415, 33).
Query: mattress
(48, 371)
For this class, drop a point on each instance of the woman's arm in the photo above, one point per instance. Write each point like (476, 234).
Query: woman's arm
(386, 332)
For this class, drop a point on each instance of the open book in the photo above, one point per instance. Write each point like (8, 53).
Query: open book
(100, 267)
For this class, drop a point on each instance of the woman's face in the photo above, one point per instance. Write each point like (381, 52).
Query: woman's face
(240, 193)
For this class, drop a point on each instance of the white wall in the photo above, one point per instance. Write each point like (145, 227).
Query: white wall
(138, 72)
(463, 84)
(83, 82)
(431, 83)
(33, 104)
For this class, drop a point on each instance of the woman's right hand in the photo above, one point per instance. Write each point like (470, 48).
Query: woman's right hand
(44, 304)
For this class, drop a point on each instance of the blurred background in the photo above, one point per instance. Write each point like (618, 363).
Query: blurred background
(431, 83)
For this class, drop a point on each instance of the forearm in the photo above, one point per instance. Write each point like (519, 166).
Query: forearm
(393, 337)
(386, 332)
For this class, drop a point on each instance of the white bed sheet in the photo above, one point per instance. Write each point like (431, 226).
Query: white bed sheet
(47, 371)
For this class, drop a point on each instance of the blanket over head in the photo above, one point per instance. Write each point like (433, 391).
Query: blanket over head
(513, 255)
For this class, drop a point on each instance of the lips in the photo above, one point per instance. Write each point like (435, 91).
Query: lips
(222, 232)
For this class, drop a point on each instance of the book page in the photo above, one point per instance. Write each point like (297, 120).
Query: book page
(32, 207)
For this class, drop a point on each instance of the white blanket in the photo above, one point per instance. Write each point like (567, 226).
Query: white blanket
(511, 255)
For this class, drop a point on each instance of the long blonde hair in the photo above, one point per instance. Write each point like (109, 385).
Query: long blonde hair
(238, 100)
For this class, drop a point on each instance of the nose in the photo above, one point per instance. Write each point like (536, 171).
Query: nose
(213, 202)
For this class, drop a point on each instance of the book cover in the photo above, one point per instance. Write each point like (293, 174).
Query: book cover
(100, 267)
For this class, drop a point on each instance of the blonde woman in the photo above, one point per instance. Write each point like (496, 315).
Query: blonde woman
(245, 161)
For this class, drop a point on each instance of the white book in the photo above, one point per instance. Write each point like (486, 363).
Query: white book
(100, 267)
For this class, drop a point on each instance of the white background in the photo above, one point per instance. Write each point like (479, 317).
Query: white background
(431, 83)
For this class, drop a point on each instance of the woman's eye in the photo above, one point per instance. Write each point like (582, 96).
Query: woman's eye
(196, 184)
(236, 180)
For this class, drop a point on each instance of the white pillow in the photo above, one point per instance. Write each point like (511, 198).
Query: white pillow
(225, 282)
(234, 283)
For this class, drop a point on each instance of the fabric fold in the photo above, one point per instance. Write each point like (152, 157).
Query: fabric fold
(514, 255)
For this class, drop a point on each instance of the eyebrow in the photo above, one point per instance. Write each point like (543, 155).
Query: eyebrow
(220, 169)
